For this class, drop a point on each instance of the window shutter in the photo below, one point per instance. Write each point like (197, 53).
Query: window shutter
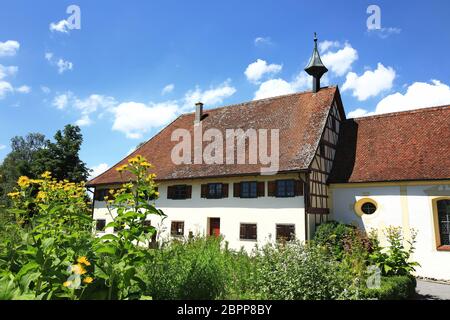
(170, 192)
(188, 192)
(204, 191)
(96, 194)
(272, 188)
(237, 190)
(224, 190)
(261, 189)
(298, 188)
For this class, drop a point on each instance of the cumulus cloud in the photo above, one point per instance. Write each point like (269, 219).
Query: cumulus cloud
(98, 170)
(326, 45)
(61, 101)
(5, 88)
(60, 63)
(23, 89)
(61, 26)
(262, 41)
(256, 70)
(7, 71)
(45, 89)
(210, 97)
(418, 95)
(168, 89)
(2, 147)
(371, 83)
(9, 48)
(272, 88)
(339, 62)
(134, 119)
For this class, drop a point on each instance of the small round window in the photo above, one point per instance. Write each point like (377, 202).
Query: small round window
(368, 208)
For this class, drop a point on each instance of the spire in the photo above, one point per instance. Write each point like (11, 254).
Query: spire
(315, 67)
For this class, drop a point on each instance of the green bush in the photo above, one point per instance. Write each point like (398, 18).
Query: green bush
(393, 288)
(199, 268)
(332, 235)
(301, 272)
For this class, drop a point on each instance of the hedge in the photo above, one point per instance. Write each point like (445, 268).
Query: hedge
(393, 288)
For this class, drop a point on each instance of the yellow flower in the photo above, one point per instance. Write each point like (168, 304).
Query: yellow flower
(46, 175)
(41, 195)
(23, 182)
(13, 194)
(78, 269)
(146, 164)
(88, 280)
(122, 168)
(83, 260)
(67, 283)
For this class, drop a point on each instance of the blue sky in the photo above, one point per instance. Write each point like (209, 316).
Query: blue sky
(109, 76)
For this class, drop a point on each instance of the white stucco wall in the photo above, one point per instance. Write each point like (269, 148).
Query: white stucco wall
(266, 212)
(406, 206)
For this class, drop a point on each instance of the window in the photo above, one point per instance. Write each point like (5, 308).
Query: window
(100, 225)
(248, 231)
(214, 190)
(100, 194)
(285, 188)
(249, 190)
(285, 232)
(179, 192)
(443, 208)
(177, 229)
(366, 206)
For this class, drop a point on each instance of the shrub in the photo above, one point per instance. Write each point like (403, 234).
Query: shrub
(301, 272)
(395, 259)
(393, 288)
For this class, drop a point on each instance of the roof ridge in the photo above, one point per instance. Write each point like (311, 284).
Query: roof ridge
(399, 113)
(261, 100)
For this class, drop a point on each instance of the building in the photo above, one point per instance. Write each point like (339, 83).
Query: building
(374, 172)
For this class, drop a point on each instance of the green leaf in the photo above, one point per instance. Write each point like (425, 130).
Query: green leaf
(32, 265)
(107, 250)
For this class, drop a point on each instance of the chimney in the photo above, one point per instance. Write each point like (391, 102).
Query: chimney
(315, 67)
(198, 112)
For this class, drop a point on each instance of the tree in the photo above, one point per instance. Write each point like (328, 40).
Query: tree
(61, 158)
(33, 155)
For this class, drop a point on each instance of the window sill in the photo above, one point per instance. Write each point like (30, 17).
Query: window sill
(248, 240)
(444, 248)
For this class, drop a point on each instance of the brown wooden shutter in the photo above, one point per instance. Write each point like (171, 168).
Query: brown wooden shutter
(96, 194)
(237, 190)
(298, 187)
(261, 189)
(170, 192)
(224, 190)
(188, 192)
(204, 191)
(272, 188)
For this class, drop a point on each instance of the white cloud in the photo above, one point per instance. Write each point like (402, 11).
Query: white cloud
(168, 89)
(359, 112)
(9, 48)
(5, 88)
(340, 62)
(256, 70)
(210, 97)
(2, 147)
(272, 88)
(384, 33)
(261, 41)
(7, 71)
(61, 26)
(326, 45)
(23, 89)
(64, 66)
(418, 95)
(98, 170)
(61, 64)
(45, 89)
(371, 83)
(84, 121)
(61, 101)
(135, 119)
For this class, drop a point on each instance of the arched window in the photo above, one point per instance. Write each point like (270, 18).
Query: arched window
(443, 215)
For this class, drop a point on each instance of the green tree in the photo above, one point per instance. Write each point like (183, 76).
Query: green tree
(61, 157)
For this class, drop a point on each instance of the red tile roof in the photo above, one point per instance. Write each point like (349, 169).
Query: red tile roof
(300, 118)
(411, 145)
